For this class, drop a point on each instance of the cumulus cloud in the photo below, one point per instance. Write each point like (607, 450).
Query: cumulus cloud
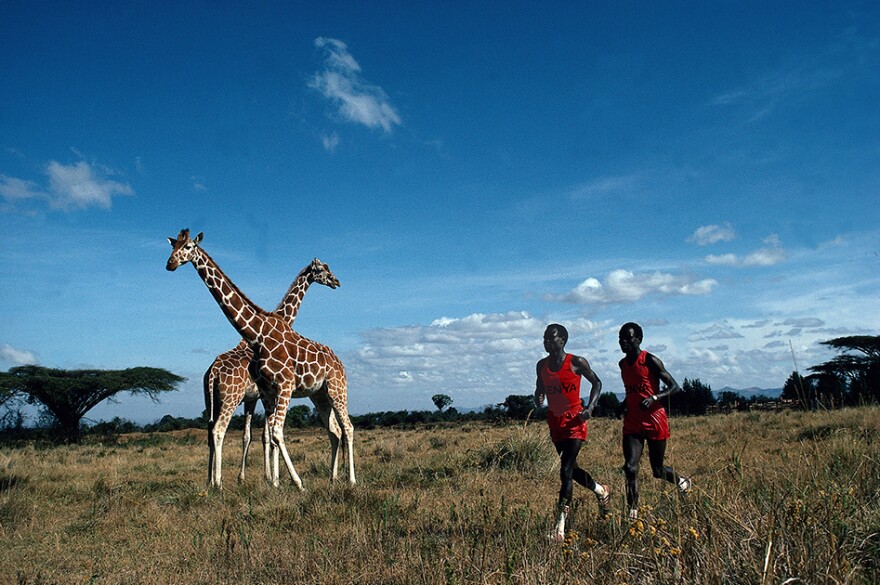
(16, 356)
(623, 286)
(765, 257)
(479, 359)
(476, 359)
(355, 99)
(712, 234)
(75, 186)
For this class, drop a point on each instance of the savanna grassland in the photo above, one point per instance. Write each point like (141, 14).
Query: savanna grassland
(780, 497)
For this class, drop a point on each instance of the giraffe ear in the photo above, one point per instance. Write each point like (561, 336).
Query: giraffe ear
(172, 241)
(199, 238)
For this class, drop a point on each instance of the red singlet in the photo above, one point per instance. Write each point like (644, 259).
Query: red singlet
(640, 383)
(563, 391)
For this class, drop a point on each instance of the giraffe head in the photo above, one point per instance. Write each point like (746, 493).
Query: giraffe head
(183, 248)
(320, 273)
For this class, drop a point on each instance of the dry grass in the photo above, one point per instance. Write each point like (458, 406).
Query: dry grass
(778, 496)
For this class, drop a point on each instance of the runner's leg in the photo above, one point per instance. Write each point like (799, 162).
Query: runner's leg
(632, 453)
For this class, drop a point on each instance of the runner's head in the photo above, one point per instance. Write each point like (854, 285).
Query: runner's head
(555, 337)
(630, 338)
(637, 330)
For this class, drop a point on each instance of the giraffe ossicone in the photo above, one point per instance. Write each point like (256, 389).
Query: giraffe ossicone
(285, 365)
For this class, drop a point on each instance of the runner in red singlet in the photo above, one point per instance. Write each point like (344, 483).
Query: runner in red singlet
(559, 381)
(644, 418)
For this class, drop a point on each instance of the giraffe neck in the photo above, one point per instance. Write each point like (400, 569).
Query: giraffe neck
(289, 305)
(244, 315)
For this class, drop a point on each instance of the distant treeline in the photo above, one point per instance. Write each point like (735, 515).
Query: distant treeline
(697, 399)
(849, 379)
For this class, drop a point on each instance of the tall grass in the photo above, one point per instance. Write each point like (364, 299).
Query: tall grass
(779, 498)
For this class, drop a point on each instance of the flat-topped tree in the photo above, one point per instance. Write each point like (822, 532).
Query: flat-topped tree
(69, 394)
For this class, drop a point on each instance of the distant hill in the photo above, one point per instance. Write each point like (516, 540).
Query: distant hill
(749, 392)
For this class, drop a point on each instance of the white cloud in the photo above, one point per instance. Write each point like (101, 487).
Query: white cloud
(770, 255)
(711, 234)
(765, 257)
(723, 259)
(75, 186)
(623, 286)
(477, 359)
(330, 141)
(79, 186)
(356, 99)
(721, 330)
(12, 189)
(18, 357)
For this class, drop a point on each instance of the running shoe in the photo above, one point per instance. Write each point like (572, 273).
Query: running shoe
(604, 500)
(684, 485)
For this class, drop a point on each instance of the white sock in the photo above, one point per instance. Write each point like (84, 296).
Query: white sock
(560, 523)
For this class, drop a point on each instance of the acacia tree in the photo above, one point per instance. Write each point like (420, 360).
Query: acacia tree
(860, 368)
(69, 394)
(441, 401)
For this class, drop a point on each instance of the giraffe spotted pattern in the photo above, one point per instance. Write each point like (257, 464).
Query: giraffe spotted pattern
(285, 365)
(228, 383)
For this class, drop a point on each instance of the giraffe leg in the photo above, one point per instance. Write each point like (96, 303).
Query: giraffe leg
(277, 436)
(227, 400)
(271, 456)
(211, 454)
(328, 418)
(270, 452)
(218, 432)
(337, 392)
(249, 407)
(267, 443)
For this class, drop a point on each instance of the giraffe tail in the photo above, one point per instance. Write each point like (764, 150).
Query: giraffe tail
(209, 393)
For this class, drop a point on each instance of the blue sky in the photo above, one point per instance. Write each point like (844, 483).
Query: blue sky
(470, 171)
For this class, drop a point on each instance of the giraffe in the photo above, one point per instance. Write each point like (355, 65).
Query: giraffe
(227, 383)
(286, 365)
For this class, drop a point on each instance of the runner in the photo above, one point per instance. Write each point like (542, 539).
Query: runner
(645, 418)
(559, 380)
